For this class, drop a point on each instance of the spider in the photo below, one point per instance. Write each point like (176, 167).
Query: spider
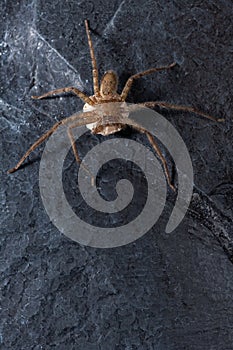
(106, 93)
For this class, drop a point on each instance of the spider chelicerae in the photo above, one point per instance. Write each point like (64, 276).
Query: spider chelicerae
(106, 92)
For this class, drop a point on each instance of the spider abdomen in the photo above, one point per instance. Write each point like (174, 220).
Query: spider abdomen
(107, 129)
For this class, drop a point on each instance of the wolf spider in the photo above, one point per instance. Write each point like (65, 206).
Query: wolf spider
(107, 92)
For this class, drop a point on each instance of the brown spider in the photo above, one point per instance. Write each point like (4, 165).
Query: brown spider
(107, 92)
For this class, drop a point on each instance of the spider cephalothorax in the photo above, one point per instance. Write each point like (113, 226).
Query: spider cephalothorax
(109, 84)
(106, 92)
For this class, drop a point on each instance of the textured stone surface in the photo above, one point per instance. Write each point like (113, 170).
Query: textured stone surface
(164, 291)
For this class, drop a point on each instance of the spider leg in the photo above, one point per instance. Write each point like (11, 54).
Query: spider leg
(76, 91)
(36, 144)
(158, 151)
(179, 108)
(86, 119)
(129, 82)
(93, 62)
(75, 151)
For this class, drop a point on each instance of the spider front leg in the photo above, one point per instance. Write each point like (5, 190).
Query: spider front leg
(129, 82)
(76, 91)
(180, 108)
(95, 73)
(158, 151)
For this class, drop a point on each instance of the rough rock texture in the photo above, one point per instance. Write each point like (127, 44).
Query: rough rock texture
(164, 291)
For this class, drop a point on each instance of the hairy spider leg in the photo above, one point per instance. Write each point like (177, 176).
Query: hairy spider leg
(86, 119)
(158, 151)
(129, 82)
(76, 91)
(75, 151)
(179, 108)
(95, 73)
